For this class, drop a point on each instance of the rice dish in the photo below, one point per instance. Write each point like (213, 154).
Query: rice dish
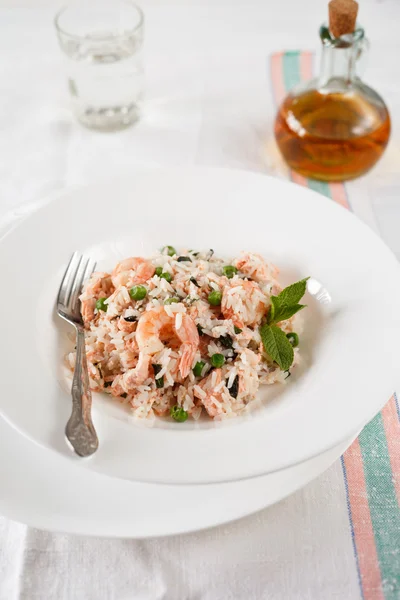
(179, 333)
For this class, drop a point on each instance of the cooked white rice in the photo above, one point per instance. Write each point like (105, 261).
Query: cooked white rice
(187, 324)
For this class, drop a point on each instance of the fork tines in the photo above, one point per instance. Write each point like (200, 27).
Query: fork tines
(79, 269)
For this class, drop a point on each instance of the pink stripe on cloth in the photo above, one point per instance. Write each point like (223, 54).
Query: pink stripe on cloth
(277, 78)
(359, 510)
(391, 425)
(297, 178)
(338, 193)
(337, 190)
(306, 65)
(364, 540)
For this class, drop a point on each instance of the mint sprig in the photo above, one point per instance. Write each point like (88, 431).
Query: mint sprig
(280, 312)
(283, 306)
(292, 294)
(277, 346)
(286, 304)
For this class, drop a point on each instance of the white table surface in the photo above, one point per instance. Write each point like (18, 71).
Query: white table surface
(209, 103)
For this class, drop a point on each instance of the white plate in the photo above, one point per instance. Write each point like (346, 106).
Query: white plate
(350, 347)
(44, 490)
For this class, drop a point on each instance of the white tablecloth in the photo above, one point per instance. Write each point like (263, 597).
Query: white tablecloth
(209, 103)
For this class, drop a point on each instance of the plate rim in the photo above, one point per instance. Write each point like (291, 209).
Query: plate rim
(60, 194)
(65, 523)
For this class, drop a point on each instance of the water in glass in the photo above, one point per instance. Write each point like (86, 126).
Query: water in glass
(106, 82)
(102, 43)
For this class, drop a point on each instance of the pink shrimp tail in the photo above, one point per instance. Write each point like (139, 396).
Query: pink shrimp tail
(185, 363)
(189, 336)
(134, 377)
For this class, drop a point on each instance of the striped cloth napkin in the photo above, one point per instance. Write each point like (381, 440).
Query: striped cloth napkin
(371, 466)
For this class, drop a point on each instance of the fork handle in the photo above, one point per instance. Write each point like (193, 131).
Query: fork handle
(80, 430)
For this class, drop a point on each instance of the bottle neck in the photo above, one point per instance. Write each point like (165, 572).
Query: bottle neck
(339, 58)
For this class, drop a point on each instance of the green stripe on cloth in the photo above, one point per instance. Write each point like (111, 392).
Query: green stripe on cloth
(382, 500)
(320, 186)
(291, 69)
(291, 77)
(384, 509)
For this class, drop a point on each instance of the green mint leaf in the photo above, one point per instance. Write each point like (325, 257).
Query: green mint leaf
(283, 312)
(293, 293)
(272, 309)
(286, 304)
(277, 346)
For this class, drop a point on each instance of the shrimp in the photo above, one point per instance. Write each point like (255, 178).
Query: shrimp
(212, 393)
(156, 324)
(126, 326)
(132, 271)
(136, 376)
(131, 344)
(162, 402)
(189, 336)
(98, 286)
(254, 266)
(243, 302)
(87, 310)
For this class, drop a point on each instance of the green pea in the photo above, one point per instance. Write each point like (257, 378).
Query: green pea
(170, 250)
(217, 360)
(237, 329)
(138, 292)
(166, 276)
(178, 413)
(293, 339)
(158, 271)
(214, 298)
(229, 271)
(171, 300)
(198, 368)
(101, 304)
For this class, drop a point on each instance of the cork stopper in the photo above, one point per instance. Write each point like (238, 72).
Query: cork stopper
(342, 17)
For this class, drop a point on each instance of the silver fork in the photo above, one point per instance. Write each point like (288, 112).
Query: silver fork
(79, 430)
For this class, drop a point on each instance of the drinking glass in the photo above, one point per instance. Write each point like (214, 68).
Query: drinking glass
(102, 43)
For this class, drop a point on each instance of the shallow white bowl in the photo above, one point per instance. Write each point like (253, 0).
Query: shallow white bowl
(349, 347)
(44, 490)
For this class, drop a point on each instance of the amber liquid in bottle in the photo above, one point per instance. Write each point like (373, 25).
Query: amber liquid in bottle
(334, 127)
(331, 137)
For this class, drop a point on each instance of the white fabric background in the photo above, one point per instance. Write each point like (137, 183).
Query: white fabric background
(209, 103)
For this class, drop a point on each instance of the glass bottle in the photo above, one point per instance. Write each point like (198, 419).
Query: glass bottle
(334, 127)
